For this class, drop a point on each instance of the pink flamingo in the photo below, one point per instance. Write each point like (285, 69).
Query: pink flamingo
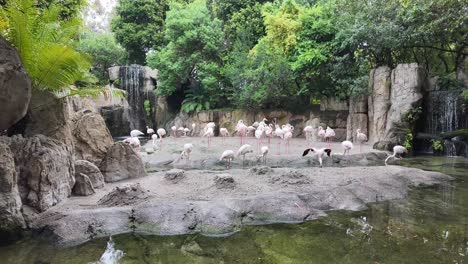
(241, 129)
(329, 135)
(209, 133)
(224, 133)
(287, 138)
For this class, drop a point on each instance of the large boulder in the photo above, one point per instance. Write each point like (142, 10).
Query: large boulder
(379, 102)
(92, 171)
(45, 167)
(116, 118)
(358, 117)
(408, 81)
(83, 185)
(10, 201)
(15, 86)
(122, 162)
(91, 137)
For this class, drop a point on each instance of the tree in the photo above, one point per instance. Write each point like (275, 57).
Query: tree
(139, 26)
(191, 60)
(104, 50)
(45, 45)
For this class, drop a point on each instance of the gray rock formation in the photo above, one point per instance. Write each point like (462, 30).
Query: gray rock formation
(10, 201)
(332, 104)
(358, 117)
(174, 175)
(116, 118)
(121, 162)
(91, 137)
(114, 73)
(15, 86)
(224, 181)
(83, 185)
(45, 168)
(92, 171)
(379, 102)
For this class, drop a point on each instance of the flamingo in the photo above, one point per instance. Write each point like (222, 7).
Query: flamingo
(397, 151)
(161, 132)
(259, 134)
(149, 131)
(193, 128)
(279, 133)
(329, 135)
(154, 137)
(241, 129)
(251, 129)
(186, 131)
(180, 130)
(209, 133)
(224, 133)
(188, 147)
(210, 125)
(133, 141)
(287, 137)
(244, 150)
(321, 133)
(264, 151)
(308, 130)
(319, 153)
(347, 146)
(361, 137)
(174, 131)
(136, 133)
(269, 132)
(227, 156)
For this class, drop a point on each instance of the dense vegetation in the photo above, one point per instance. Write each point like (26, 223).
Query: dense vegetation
(266, 54)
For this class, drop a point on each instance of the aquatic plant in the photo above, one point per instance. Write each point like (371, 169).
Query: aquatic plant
(408, 144)
(437, 145)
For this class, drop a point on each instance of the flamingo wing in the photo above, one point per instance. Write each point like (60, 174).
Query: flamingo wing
(328, 151)
(306, 152)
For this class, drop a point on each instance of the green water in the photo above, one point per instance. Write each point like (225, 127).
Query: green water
(430, 226)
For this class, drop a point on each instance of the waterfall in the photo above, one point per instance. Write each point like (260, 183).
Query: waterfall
(111, 255)
(131, 79)
(444, 112)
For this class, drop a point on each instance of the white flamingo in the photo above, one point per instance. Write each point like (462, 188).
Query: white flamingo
(397, 152)
(287, 138)
(347, 147)
(241, 129)
(329, 135)
(149, 131)
(361, 137)
(321, 133)
(209, 133)
(174, 131)
(227, 156)
(259, 135)
(154, 137)
(224, 133)
(308, 130)
(319, 153)
(185, 154)
(264, 151)
(280, 134)
(133, 141)
(251, 129)
(269, 132)
(186, 131)
(180, 130)
(136, 133)
(244, 150)
(161, 132)
(193, 128)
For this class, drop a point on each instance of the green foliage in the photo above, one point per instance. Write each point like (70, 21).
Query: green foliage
(408, 144)
(194, 102)
(465, 95)
(104, 50)
(191, 60)
(147, 106)
(139, 26)
(413, 115)
(44, 43)
(437, 145)
(68, 8)
(450, 82)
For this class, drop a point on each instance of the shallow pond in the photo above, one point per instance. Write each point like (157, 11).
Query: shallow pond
(430, 226)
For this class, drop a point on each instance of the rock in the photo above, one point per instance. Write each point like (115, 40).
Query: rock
(83, 185)
(174, 175)
(408, 81)
(192, 247)
(291, 177)
(379, 102)
(384, 145)
(11, 217)
(332, 104)
(224, 181)
(121, 162)
(15, 86)
(356, 121)
(116, 118)
(46, 170)
(114, 73)
(92, 171)
(261, 170)
(126, 195)
(162, 112)
(91, 137)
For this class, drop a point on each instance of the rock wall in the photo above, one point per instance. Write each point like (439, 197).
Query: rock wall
(229, 118)
(358, 117)
(15, 86)
(393, 94)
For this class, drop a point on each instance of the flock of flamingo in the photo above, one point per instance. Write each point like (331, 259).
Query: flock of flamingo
(261, 131)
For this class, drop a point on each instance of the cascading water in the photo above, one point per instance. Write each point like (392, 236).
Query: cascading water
(111, 255)
(131, 79)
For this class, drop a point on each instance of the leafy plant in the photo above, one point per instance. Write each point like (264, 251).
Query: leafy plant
(449, 82)
(465, 95)
(147, 106)
(44, 43)
(195, 103)
(408, 144)
(437, 145)
(413, 115)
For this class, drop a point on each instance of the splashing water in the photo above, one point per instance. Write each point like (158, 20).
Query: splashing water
(111, 255)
